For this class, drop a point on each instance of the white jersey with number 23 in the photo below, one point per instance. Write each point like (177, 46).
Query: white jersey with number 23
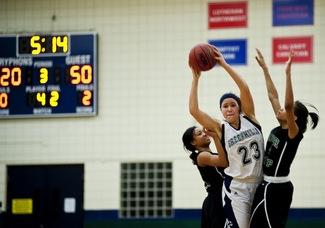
(245, 150)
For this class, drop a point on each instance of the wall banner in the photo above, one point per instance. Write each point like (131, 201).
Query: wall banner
(227, 14)
(302, 47)
(293, 12)
(234, 51)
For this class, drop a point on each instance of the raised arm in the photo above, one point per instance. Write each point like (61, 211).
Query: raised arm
(289, 101)
(200, 116)
(271, 90)
(245, 95)
(219, 160)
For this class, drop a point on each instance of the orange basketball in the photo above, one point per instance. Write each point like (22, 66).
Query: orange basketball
(201, 57)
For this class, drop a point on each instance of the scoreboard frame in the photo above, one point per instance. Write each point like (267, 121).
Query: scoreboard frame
(48, 75)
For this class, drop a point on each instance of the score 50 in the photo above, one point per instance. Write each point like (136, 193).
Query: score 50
(81, 74)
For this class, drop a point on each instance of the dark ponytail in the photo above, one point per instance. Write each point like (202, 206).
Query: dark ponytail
(302, 114)
(314, 118)
(187, 143)
(188, 138)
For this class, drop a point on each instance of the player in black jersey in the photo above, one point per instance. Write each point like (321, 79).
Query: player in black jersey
(274, 195)
(197, 142)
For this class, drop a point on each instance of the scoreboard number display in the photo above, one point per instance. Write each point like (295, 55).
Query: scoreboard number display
(48, 75)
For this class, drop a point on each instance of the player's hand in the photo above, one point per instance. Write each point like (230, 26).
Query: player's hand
(210, 133)
(289, 62)
(219, 57)
(260, 59)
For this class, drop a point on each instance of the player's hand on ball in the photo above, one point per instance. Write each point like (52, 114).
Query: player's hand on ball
(218, 56)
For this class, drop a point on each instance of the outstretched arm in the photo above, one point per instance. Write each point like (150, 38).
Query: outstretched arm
(245, 94)
(200, 116)
(289, 101)
(207, 159)
(271, 90)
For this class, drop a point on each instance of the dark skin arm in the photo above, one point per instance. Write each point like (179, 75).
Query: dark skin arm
(271, 90)
(207, 159)
(289, 101)
(203, 118)
(273, 94)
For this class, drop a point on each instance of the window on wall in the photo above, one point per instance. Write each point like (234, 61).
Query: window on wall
(146, 190)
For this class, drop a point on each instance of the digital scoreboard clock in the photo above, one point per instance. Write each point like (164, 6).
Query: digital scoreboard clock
(45, 75)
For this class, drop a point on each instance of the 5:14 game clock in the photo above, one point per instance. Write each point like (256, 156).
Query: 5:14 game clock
(43, 44)
(45, 75)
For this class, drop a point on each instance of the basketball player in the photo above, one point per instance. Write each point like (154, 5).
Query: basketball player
(273, 197)
(242, 140)
(197, 142)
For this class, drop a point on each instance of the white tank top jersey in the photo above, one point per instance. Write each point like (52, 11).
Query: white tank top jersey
(245, 150)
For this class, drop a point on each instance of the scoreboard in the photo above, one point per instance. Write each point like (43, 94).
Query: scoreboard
(48, 75)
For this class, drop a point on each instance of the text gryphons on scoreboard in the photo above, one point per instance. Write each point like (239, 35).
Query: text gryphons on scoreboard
(45, 75)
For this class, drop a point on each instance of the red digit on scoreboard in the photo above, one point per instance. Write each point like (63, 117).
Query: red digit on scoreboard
(10, 76)
(3, 100)
(86, 97)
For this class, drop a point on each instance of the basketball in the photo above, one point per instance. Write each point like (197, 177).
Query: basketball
(201, 57)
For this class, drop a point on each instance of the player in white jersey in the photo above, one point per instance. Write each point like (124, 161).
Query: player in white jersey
(244, 148)
(242, 140)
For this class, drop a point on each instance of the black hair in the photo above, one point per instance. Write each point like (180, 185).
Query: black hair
(188, 139)
(230, 95)
(302, 113)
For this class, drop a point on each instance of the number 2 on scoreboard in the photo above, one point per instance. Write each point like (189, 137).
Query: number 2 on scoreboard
(86, 97)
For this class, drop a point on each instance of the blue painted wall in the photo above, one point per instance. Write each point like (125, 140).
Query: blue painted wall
(190, 218)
